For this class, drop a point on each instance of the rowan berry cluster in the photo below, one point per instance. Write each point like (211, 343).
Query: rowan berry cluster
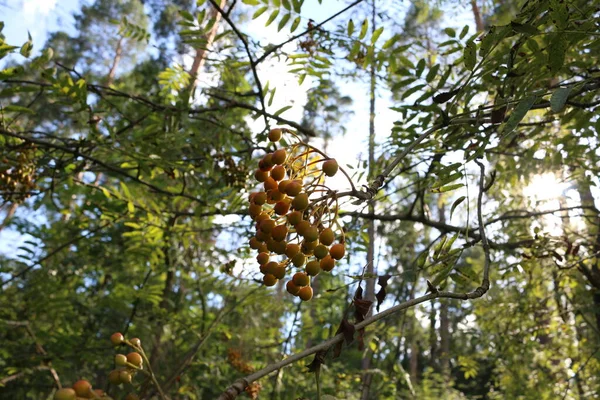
(130, 364)
(295, 215)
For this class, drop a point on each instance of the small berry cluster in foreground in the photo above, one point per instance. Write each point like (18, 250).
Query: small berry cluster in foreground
(129, 365)
(295, 215)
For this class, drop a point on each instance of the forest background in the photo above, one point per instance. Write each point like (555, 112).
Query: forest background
(466, 134)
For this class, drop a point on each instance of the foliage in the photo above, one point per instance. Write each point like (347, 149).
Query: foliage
(129, 150)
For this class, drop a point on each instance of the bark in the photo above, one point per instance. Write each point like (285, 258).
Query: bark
(370, 270)
(115, 64)
(477, 15)
(433, 350)
(201, 53)
(444, 339)
(592, 220)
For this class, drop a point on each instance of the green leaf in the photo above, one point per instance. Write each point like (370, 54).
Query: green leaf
(283, 21)
(518, 114)
(295, 24)
(559, 99)
(363, 29)
(259, 12)
(186, 15)
(11, 72)
(470, 56)
(18, 109)
(456, 203)
(390, 42)
(26, 49)
(447, 188)
(272, 17)
(556, 53)
(432, 73)
(284, 109)
(251, 2)
(376, 35)
(464, 32)
(450, 32)
(523, 28)
(350, 28)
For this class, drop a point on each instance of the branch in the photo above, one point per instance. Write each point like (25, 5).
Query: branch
(241, 36)
(312, 28)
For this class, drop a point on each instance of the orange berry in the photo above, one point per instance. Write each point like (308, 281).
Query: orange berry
(312, 268)
(117, 338)
(254, 243)
(291, 287)
(266, 163)
(82, 388)
(279, 272)
(65, 394)
(275, 134)
(261, 217)
(274, 196)
(291, 250)
(269, 280)
(294, 217)
(136, 342)
(266, 225)
(121, 360)
(260, 175)
(330, 167)
(305, 293)
(301, 279)
(125, 376)
(337, 251)
(279, 232)
(293, 188)
(262, 236)
(262, 258)
(326, 237)
(299, 259)
(114, 377)
(327, 263)
(254, 210)
(321, 251)
(259, 198)
(311, 234)
(278, 173)
(270, 184)
(283, 184)
(302, 227)
(282, 207)
(300, 202)
(135, 358)
(279, 156)
(309, 246)
(270, 267)
(277, 247)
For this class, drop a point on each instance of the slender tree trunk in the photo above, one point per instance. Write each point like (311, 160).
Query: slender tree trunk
(115, 64)
(444, 339)
(201, 53)
(592, 220)
(367, 378)
(477, 15)
(433, 350)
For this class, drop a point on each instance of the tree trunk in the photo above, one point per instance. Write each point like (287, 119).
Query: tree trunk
(444, 339)
(477, 15)
(201, 53)
(592, 221)
(115, 64)
(370, 270)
